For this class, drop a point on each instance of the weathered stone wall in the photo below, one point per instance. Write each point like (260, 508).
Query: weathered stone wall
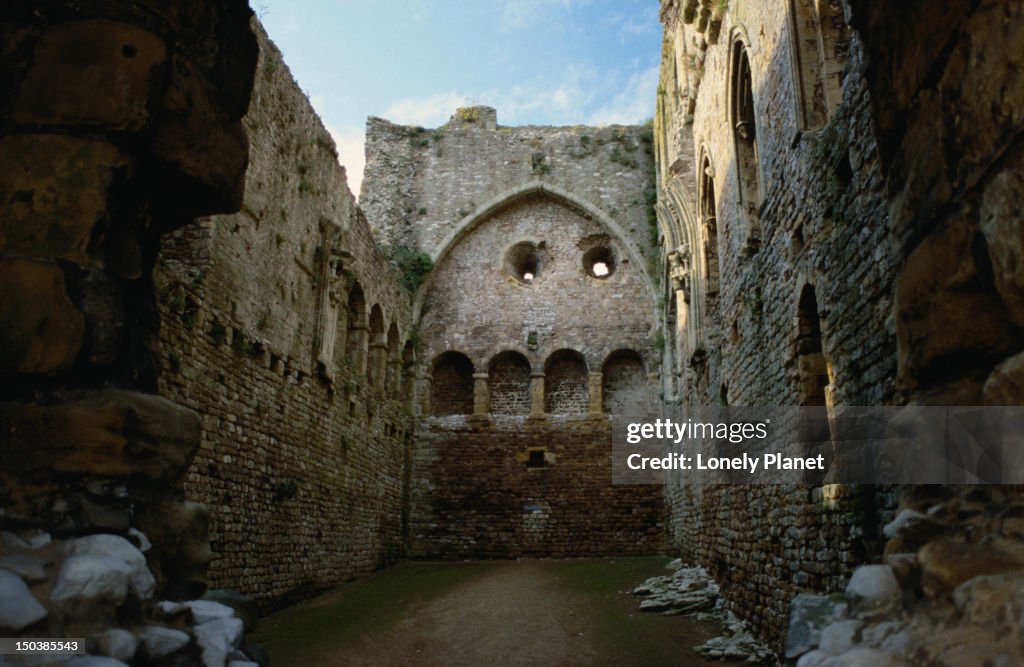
(813, 230)
(948, 105)
(92, 175)
(874, 261)
(305, 409)
(478, 495)
(119, 121)
(947, 102)
(821, 216)
(540, 239)
(474, 302)
(423, 185)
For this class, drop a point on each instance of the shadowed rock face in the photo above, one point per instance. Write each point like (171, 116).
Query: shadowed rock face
(119, 121)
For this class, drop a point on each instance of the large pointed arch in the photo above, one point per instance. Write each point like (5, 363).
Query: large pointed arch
(742, 115)
(678, 211)
(468, 224)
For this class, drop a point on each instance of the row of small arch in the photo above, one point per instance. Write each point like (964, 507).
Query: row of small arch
(566, 383)
(374, 323)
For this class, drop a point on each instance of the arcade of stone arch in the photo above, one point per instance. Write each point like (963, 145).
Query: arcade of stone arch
(211, 352)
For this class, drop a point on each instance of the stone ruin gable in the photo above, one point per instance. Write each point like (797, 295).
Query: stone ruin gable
(421, 185)
(817, 234)
(305, 407)
(508, 484)
(474, 495)
(491, 205)
(475, 303)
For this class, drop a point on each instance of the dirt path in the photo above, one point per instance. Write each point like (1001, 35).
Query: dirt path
(514, 613)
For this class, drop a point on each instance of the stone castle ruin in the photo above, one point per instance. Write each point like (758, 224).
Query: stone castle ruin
(221, 372)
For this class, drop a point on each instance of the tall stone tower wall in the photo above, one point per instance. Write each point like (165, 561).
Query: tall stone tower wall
(283, 327)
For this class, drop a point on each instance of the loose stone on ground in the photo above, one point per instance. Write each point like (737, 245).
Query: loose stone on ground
(691, 591)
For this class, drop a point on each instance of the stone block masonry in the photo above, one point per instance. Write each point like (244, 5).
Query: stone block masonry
(543, 278)
(276, 324)
(100, 154)
(840, 233)
(509, 487)
(422, 185)
(783, 291)
(836, 223)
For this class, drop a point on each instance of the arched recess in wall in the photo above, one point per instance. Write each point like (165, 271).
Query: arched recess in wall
(833, 45)
(340, 330)
(625, 390)
(565, 383)
(378, 347)
(676, 283)
(812, 367)
(508, 384)
(742, 117)
(820, 43)
(452, 385)
(393, 374)
(408, 369)
(687, 264)
(708, 211)
(355, 336)
(510, 197)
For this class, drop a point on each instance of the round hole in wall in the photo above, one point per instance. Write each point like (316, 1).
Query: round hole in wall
(599, 262)
(524, 261)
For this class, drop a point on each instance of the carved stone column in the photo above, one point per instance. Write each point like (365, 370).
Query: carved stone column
(378, 360)
(356, 343)
(409, 391)
(425, 392)
(481, 394)
(394, 381)
(536, 394)
(595, 390)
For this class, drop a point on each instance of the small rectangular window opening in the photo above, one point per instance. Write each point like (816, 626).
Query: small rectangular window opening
(536, 459)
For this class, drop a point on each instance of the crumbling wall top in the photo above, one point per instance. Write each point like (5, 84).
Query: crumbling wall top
(484, 117)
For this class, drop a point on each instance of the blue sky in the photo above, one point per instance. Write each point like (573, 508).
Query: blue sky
(540, 62)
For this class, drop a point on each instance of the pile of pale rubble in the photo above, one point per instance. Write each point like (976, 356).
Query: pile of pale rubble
(691, 591)
(937, 600)
(99, 588)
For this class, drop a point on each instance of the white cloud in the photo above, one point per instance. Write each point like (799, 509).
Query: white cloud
(426, 111)
(517, 14)
(633, 25)
(351, 155)
(534, 102)
(571, 98)
(634, 104)
(545, 101)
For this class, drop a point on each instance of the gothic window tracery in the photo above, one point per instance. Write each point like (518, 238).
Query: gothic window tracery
(709, 219)
(744, 124)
